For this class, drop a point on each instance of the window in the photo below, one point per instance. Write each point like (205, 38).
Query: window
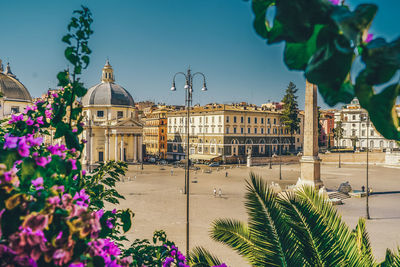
(241, 119)
(372, 132)
(227, 118)
(242, 130)
(219, 119)
(274, 121)
(227, 130)
(234, 119)
(206, 120)
(234, 129)
(100, 113)
(120, 114)
(14, 110)
(363, 133)
(248, 130)
(354, 117)
(248, 120)
(255, 120)
(269, 121)
(262, 130)
(200, 119)
(101, 156)
(262, 120)
(268, 131)
(255, 130)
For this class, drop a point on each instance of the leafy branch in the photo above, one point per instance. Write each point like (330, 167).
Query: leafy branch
(323, 39)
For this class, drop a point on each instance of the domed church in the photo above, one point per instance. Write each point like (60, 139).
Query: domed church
(14, 96)
(112, 128)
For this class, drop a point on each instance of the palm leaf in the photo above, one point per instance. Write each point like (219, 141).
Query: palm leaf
(235, 234)
(363, 243)
(316, 242)
(344, 239)
(268, 226)
(200, 257)
(391, 259)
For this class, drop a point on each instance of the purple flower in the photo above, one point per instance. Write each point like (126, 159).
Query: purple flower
(81, 198)
(100, 213)
(23, 148)
(114, 211)
(75, 177)
(369, 38)
(43, 161)
(335, 2)
(78, 264)
(10, 141)
(181, 257)
(60, 234)
(15, 118)
(74, 130)
(47, 113)
(173, 253)
(73, 163)
(83, 172)
(109, 223)
(54, 200)
(29, 122)
(168, 261)
(38, 183)
(55, 95)
(39, 120)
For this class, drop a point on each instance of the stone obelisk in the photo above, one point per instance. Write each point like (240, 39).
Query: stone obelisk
(310, 162)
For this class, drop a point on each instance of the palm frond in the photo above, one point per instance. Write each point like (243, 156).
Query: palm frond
(200, 257)
(234, 234)
(391, 259)
(315, 242)
(268, 226)
(363, 243)
(343, 237)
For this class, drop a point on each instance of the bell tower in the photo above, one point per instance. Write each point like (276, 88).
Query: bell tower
(108, 73)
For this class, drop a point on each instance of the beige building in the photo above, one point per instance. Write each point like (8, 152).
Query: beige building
(14, 96)
(112, 129)
(229, 131)
(155, 133)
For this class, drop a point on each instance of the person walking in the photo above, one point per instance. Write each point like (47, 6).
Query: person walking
(215, 192)
(220, 192)
(226, 174)
(172, 172)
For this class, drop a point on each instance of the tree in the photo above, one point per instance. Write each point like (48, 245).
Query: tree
(299, 228)
(338, 135)
(290, 111)
(354, 140)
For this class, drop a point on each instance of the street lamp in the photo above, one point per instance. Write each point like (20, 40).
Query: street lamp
(367, 178)
(188, 100)
(280, 151)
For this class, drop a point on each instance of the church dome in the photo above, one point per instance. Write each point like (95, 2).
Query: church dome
(11, 88)
(107, 92)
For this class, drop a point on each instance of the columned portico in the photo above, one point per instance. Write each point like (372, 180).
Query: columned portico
(310, 162)
(122, 148)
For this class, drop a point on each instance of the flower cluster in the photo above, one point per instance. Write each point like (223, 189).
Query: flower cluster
(175, 257)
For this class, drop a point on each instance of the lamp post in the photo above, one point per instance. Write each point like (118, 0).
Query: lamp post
(188, 100)
(280, 151)
(366, 200)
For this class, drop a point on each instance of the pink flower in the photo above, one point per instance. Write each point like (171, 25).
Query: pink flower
(38, 183)
(75, 177)
(23, 148)
(60, 234)
(109, 223)
(74, 130)
(39, 120)
(369, 38)
(99, 213)
(81, 198)
(335, 2)
(15, 118)
(83, 172)
(73, 163)
(47, 113)
(29, 122)
(10, 141)
(55, 95)
(43, 161)
(114, 211)
(54, 200)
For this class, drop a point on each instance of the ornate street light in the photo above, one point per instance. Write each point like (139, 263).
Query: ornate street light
(188, 100)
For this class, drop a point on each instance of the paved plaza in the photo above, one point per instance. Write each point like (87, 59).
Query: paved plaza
(156, 199)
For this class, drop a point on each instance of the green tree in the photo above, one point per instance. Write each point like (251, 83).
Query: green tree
(354, 140)
(299, 228)
(338, 132)
(290, 112)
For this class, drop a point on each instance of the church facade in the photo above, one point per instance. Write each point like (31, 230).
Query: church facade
(112, 128)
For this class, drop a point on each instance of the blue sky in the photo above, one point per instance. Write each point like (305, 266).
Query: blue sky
(148, 41)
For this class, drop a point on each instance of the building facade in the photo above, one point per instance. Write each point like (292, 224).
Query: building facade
(236, 130)
(155, 133)
(112, 129)
(14, 97)
(327, 124)
(354, 122)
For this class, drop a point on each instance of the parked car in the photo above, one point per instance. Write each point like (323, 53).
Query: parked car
(163, 162)
(213, 164)
(152, 160)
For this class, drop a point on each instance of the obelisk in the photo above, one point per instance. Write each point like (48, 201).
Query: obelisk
(310, 162)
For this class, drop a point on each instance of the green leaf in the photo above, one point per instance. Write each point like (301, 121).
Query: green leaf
(67, 38)
(353, 24)
(297, 55)
(383, 113)
(334, 95)
(382, 60)
(63, 79)
(260, 22)
(61, 130)
(126, 218)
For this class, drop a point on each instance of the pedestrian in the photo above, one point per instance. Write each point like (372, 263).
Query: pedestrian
(215, 192)
(134, 178)
(362, 188)
(172, 172)
(220, 192)
(226, 174)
